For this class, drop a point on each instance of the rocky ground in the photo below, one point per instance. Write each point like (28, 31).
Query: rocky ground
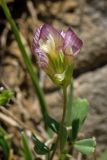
(89, 19)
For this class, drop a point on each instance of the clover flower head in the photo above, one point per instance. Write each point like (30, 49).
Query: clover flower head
(55, 51)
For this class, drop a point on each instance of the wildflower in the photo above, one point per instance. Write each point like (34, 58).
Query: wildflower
(55, 51)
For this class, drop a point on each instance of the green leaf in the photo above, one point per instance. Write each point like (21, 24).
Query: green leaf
(52, 124)
(80, 110)
(40, 147)
(4, 143)
(103, 155)
(55, 126)
(63, 137)
(86, 146)
(5, 96)
(69, 157)
(68, 117)
(5, 146)
(66, 156)
(26, 149)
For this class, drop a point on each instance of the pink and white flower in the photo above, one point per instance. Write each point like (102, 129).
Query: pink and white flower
(55, 51)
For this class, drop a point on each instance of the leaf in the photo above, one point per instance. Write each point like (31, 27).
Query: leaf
(5, 96)
(5, 147)
(53, 124)
(68, 117)
(86, 146)
(66, 156)
(40, 147)
(26, 149)
(80, 110)
(4, 143)
(69, 157)
(63, 137)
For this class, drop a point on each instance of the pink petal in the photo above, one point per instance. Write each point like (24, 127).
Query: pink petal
(41, 58)
(72, 43)
(62, 34)
(47, 30)
(36, 36)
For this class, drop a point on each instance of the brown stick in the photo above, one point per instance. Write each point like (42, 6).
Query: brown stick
(11, 119)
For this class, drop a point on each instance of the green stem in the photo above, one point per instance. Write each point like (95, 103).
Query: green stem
(62, 122)
(64, 107)
(68, 118)
(26, 59)
(48, 156)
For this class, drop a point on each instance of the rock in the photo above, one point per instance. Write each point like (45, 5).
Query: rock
(69, 6)
(55, 104)
(94, 51)
(93, 86)
(100, 6)
(70, 19)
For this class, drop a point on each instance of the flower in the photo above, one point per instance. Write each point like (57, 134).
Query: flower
(55, 51)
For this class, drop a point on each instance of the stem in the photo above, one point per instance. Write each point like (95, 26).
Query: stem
(70, 97)
(48, 156)
(94, 154)
(27, 60)
(56, 144)
(62, 122)
(64, 107)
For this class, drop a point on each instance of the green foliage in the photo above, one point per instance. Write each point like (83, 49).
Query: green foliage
(4, 143)
(103, 155)
(52, 124)
(55, 126)
(26, 150)
(66, 156)
(5, 96)
(39, 147)
(80, 108)
(86, 146)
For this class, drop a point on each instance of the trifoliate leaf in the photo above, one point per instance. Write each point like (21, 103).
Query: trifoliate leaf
(85, 146)
(80, 108)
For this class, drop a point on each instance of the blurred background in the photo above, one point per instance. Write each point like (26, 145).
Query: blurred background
(89, 19)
